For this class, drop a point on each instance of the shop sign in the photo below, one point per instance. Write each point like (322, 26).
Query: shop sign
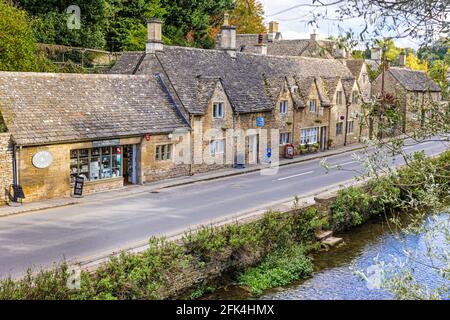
(106, 143)
(78, 188)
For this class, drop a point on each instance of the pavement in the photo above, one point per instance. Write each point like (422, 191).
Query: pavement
(109, 222)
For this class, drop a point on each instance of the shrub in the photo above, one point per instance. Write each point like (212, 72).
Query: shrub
(351, 208)
(281, 267)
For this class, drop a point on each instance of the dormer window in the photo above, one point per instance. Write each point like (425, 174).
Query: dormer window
(283, 107)
(312, 106)
(218, 110)
(339, 98)
(355, 97)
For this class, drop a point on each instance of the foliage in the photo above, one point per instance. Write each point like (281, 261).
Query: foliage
(413, 62)
(17, 43)
(248, 16)
(3, 127)
(279, 268)
(351, 208)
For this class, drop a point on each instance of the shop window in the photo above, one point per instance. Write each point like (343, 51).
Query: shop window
(309, 135)
(285, 138)
(216, 147)
(96, 164)
(163, 152)
(283, 107)
(350, 127)
(218, 110)
(339, 128)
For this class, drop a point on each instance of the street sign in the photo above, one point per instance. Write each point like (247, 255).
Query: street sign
(78, 188)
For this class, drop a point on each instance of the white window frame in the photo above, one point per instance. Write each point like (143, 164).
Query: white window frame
(350, 127)
(354, 97)
(309, 134)
(216, 147)
(283, 106)
(218, 110)
(285, 138)
(164, 152)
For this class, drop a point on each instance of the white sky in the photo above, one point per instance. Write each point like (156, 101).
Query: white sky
(293, 24)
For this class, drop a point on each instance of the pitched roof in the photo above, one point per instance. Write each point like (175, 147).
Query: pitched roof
(413, 80)
(242, 77)
(355, 66)
(348, 85)
(41, 108)
(278, 47)
(126, 63)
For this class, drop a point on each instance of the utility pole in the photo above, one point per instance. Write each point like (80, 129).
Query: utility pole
(382, 106)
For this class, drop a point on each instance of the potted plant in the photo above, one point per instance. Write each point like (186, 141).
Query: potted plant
(330, 143)
(303, 148)
(315, 147)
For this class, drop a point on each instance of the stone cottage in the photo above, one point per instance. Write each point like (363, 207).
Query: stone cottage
(112, 130)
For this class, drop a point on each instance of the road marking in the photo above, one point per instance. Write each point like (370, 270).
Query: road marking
(295, 175)
(342, 164)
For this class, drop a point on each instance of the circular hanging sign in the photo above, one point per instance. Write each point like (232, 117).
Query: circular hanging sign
(42, 159)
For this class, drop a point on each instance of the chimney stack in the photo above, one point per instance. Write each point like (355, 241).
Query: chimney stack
(260, 48)
(375, 54)
(314, 35)
(402, 59)
(273, 27)
(154, 41)
(228, 37)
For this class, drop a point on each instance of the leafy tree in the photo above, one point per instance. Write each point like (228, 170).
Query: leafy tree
(413, 62)
(17, 43)
(248, 16)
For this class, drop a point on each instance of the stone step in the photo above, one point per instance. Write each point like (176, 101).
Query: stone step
(331, 242)
(322, 235)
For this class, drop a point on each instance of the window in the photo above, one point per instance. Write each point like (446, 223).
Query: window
(218, 110)
(309, 136)
(285, 138)
(364, 78)
(283, 106)
(355, 97)
(216, 147)
(163, 152)
(339, 97)
(96, 164)
(349, 126)
(339, 127)
(312, 105)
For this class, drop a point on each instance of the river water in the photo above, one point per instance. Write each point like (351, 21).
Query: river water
(334, 275)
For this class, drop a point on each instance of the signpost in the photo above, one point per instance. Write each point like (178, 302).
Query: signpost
(78, 188)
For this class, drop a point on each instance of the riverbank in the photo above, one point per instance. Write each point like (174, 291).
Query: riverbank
(203, 259)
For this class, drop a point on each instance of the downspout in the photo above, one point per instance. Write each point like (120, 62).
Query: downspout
(347, 105)
(14, 164)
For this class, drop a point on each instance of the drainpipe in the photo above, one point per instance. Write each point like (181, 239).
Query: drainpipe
(347, 106)
(14, 164)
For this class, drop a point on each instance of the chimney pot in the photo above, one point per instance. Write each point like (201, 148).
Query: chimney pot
(313, 35)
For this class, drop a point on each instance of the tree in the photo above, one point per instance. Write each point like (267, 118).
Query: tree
(413, 62)
(248, 17)
(17, 43)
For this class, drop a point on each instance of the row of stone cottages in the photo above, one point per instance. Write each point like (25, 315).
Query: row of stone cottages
(118, 128)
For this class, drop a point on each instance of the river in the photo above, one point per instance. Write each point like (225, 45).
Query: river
(334, 271)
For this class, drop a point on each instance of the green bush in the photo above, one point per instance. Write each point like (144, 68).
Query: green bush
(281, 267)
(351, 208)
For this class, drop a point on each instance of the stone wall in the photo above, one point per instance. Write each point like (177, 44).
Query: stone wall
(6, 166)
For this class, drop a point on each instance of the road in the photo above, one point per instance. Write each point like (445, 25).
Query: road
(74, 232)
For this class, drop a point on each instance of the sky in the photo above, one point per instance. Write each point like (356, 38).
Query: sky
(293, 23)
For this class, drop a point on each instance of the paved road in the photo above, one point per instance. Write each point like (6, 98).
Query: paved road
(40, 238)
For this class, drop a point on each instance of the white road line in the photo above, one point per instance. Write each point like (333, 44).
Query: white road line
(342, 164)
(417, 145)
(295, 175)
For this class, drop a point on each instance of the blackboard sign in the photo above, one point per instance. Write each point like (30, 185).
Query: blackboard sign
(78, 188)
